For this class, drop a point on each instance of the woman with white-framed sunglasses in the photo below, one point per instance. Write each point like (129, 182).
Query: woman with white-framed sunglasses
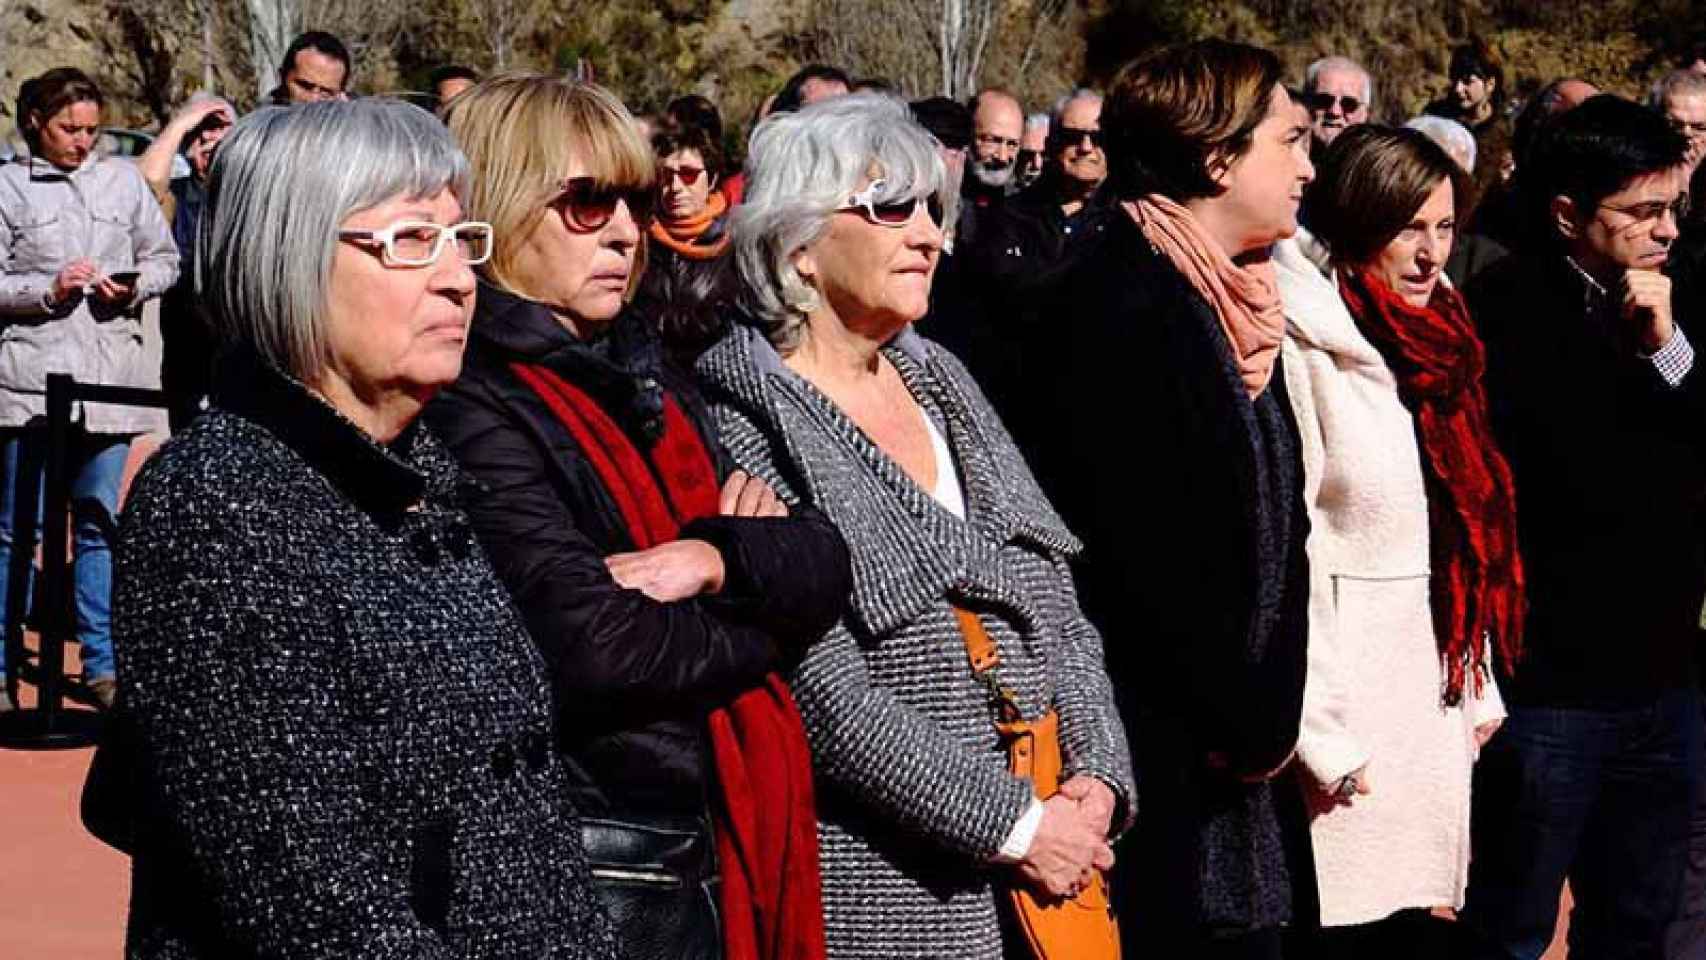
(826, 392)
(333, 734)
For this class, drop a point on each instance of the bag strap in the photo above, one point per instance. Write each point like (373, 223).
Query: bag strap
(980, 649)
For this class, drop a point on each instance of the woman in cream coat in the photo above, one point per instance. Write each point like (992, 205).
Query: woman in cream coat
(1389, 733)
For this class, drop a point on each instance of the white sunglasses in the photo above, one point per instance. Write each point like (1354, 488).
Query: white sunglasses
(896, 213)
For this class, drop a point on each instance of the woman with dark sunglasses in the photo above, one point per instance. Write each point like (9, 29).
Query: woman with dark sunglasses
(663, 587)
(684, 285)
(827, 393)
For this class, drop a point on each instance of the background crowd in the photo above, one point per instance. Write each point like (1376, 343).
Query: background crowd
(1187, 501)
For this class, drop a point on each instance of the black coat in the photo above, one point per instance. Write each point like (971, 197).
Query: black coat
(341, 730)
(1005, 282)
(1610, 469)
(634, 678)
(1188, 498)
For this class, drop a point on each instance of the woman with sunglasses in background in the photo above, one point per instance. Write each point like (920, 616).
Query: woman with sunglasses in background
(685, 278)
(827, 393)
(662, 587)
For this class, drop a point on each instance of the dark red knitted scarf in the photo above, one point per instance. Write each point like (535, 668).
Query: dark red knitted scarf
(766, 820)
(1476, 582)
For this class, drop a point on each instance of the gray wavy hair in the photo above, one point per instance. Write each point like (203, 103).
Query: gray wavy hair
(283, 181)
(800, 168)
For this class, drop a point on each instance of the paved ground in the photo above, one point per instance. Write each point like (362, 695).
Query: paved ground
(62, 892)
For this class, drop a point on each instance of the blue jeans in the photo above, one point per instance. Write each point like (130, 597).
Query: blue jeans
(1600, 796)
(96, 467)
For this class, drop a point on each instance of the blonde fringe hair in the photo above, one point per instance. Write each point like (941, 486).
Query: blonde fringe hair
(523, 134)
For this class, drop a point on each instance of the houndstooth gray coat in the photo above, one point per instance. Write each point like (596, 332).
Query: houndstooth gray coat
(914, 796)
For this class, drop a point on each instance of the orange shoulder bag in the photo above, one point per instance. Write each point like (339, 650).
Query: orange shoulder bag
(1081, 927)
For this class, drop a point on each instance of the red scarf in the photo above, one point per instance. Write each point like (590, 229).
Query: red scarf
(1477, 583)
(766, 820)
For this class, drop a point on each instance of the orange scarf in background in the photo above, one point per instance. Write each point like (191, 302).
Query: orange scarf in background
(683, 235)
(1245, 299)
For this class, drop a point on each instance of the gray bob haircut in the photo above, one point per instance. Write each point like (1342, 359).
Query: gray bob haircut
(800, 168)
(283, 181)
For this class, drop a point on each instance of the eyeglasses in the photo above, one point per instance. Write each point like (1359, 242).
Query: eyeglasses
(1073, 136)
(417, 243)
(896, 213)
(1027, 157)
(1320, 102)
(587, 205)
(992, 141)
(687, 175)
(1686, 128)
(1652, 210)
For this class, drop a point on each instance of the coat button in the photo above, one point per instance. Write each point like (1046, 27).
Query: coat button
(503, 760)
(426, 548)
(538, 750)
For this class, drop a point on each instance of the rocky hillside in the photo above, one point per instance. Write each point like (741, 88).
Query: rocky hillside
(148, 53)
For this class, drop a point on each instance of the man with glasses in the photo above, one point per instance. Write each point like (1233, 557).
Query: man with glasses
(998, 122)
(316, 67)
(993, 292)
(1338, 93)
(1597, 402)
(1033, 144)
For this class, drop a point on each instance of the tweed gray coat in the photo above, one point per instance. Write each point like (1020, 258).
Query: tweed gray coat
(914, 796)
(342, 731)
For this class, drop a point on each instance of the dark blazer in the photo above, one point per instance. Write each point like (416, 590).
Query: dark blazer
(1188, 498)
(341, 727)
(634, 678)
(1610, 470)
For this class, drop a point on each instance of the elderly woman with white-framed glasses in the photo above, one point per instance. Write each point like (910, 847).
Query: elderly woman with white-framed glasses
(337, 731)
(960, 580)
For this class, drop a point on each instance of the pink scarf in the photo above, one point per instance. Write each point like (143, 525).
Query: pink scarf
(1246, 299)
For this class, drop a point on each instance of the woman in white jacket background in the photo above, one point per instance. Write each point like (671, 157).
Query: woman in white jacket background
(1415, 580)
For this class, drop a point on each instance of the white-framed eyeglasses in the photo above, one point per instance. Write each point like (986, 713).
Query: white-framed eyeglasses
(418, 243)
(895, 213)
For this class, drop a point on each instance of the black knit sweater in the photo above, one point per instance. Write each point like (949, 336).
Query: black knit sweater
(1610, 470)
(343, 729)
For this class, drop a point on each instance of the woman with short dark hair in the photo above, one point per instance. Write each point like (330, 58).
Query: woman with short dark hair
(1194, 557)
(686, 283)
(1416, 583)
(83, 246)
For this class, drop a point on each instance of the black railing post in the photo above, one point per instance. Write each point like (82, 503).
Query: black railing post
(48, 725)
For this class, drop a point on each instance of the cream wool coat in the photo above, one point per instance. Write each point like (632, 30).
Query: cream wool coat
(1373, 692)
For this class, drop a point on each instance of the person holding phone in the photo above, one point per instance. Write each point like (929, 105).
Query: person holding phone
(83, 246)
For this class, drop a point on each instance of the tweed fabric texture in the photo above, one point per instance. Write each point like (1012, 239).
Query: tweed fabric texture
(915, 798)
(344, 729)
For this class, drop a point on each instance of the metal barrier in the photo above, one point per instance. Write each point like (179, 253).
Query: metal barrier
(48, 725)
